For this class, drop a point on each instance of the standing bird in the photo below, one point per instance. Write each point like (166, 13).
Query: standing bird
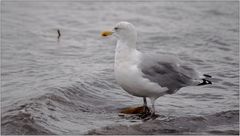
(148, 75)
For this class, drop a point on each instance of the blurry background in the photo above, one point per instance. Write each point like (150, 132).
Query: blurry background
(67, 86)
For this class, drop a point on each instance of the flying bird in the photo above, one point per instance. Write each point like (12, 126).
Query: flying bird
(149, 75)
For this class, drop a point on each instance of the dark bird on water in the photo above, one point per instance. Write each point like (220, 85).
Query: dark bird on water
(59, 34)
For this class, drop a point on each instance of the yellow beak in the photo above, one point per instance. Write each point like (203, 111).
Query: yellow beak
(106, 33)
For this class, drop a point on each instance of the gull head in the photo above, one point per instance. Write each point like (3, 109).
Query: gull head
(124, 31)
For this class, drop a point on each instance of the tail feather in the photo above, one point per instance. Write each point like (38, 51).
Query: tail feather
(205, 80)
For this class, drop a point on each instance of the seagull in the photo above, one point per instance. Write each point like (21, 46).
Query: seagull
(149, 75)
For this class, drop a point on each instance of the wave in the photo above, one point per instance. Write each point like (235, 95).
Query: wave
(36, 115)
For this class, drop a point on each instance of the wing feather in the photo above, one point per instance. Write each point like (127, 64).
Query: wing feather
(167, 72)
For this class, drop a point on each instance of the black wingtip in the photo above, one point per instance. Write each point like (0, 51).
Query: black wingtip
(205, 82)
(206, 75)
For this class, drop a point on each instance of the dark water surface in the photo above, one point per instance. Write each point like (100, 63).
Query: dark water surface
(67, 86)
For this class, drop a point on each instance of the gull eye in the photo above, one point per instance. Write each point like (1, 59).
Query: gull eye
(116, 28)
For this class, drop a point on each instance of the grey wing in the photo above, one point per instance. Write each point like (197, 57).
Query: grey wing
(167, 72)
